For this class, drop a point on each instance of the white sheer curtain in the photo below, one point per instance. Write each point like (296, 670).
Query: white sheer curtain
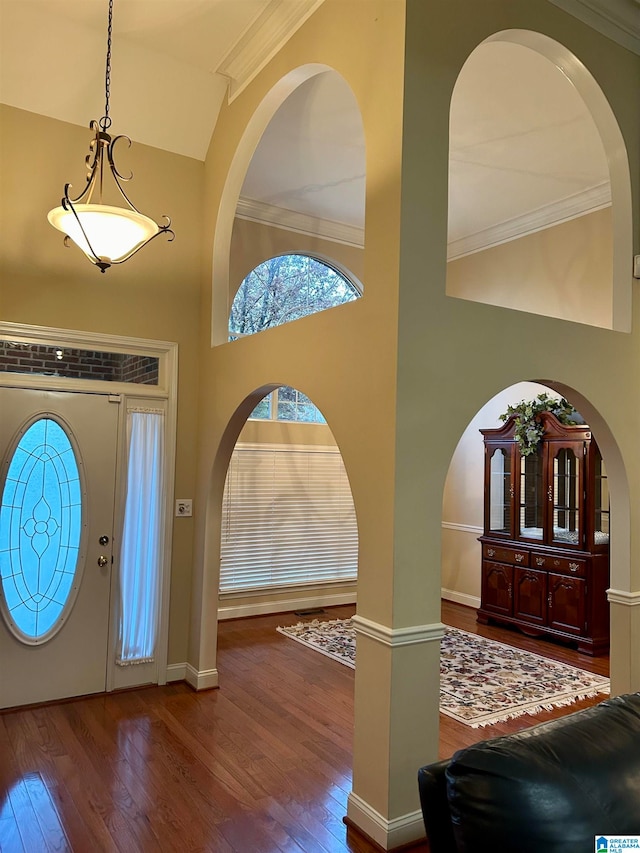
(141, 537)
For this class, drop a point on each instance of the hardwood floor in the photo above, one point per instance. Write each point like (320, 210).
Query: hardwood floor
(261, 765)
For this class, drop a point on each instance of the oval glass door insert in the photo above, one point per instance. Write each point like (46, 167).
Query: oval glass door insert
(40, 532)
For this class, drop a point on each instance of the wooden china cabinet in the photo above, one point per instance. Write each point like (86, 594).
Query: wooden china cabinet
(545, 548)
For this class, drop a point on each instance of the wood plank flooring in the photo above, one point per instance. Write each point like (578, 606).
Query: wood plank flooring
(262, 765)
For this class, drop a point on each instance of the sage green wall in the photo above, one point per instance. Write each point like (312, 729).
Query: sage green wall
(429, 360)
(459, 353)
(454, 354)
(154, 295)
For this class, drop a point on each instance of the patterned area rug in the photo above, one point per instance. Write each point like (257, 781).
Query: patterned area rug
(481, 681)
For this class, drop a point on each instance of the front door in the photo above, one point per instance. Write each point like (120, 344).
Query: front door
(57, 486)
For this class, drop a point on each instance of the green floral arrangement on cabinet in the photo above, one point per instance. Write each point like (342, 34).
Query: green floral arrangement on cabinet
(529, 429)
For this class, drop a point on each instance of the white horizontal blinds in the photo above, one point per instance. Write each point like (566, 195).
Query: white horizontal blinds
(287, 518)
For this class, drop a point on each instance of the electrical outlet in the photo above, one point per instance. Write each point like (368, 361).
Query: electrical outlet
(184, 508)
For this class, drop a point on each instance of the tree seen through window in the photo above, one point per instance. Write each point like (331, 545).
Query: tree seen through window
(287, 404)
(280, 290)
(286, 288)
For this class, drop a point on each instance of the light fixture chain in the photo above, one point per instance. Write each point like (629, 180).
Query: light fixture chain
(83, 220)
(105, 121)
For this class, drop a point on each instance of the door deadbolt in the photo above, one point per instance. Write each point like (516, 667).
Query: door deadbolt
(102, 560)
(103, 540)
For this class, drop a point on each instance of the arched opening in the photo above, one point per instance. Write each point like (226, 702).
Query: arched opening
(470, 558)
(289, 538)
(295, 185)
(539, 200)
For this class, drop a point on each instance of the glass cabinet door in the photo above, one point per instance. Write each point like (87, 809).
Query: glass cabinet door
(500, 491)
(532, 497)
(564, 493)
(601, 503)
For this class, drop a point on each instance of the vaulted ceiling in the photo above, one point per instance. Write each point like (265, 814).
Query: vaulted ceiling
(524, 150)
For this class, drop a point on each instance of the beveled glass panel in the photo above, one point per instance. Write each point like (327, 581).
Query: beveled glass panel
(500, 489)
(40, 528)
(601, 493)
(531, 497)
(566, 497)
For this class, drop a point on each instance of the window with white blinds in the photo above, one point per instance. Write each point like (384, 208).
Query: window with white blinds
(287, 518)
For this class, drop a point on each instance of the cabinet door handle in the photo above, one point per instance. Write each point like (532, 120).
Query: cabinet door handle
(550, 600)
(519, 558)
(574, 567)
(550, 493)
(539, 561)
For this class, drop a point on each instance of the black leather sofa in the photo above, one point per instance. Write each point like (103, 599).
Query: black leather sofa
(554, 787)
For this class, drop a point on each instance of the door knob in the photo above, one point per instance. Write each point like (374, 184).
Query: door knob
(102, 560)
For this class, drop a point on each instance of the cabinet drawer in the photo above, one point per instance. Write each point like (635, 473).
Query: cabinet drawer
(563, 565)
(500, 554)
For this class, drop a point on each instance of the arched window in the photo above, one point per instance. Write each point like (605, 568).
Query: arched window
(286, 288)
(287, 404)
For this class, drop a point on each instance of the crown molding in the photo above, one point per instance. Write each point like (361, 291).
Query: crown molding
(589, 201)
(619, 20)
(301, 223)
(596, 198)
(262, 40)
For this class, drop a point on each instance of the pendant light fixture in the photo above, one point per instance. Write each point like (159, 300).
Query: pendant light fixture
(106, 234)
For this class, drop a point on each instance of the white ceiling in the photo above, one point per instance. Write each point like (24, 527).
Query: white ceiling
(524, 151)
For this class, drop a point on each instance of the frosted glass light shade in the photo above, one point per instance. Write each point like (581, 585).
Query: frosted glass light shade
(114, 232)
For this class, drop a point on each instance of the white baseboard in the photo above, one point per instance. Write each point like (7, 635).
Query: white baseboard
(204, 680)
(284, 605)
(176, 672)
(389, 834)
(460, 598)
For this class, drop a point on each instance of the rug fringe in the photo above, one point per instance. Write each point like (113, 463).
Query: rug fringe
(534, 709)
(571, 684)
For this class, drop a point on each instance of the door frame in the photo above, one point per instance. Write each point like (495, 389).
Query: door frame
(166, 390)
